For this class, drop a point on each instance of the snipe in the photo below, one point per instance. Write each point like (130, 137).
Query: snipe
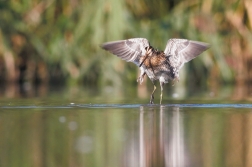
(158, 65)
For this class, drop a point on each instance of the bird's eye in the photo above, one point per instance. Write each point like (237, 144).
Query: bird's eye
(146, 48)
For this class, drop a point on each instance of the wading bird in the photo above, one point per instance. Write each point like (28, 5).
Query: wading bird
(158, 65)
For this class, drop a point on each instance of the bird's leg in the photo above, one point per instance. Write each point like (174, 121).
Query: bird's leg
(152, 96)
(176, 79)
(141, 77)
(161, 95)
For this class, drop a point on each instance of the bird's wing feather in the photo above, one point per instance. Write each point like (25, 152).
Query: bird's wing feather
(130, 50)
(181, 51)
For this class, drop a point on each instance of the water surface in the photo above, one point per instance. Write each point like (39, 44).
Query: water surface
(37, 132)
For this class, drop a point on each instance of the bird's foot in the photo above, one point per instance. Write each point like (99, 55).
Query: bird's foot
(151, 99)
(173, 82)
(140, 80)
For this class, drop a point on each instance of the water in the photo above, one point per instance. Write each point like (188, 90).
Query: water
(66, 130)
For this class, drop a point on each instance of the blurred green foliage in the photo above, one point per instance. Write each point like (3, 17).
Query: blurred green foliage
(55, 40)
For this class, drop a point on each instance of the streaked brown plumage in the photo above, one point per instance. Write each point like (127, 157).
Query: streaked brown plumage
(158, 65)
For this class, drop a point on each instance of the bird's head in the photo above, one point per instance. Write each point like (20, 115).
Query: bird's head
(149, 50)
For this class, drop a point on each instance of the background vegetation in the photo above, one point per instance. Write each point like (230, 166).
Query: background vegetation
(58, 40)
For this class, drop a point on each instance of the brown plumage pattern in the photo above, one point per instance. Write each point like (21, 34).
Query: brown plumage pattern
(157, 65)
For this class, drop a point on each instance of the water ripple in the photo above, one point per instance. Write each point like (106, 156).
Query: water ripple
(107, 106)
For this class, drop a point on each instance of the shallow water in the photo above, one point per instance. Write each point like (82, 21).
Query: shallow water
(40, 132)
(114, 128)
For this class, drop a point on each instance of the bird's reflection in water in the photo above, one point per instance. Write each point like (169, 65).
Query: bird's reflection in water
(161, 137)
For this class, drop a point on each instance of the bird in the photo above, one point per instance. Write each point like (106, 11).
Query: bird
(157, 65)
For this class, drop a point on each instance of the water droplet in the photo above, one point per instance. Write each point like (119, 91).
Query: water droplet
(175, 95)
(62, 119)
(212, 94)
(72, 125)
(84, 144)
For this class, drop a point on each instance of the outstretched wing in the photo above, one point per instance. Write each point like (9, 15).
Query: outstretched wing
(130, 50)
(181, 51)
